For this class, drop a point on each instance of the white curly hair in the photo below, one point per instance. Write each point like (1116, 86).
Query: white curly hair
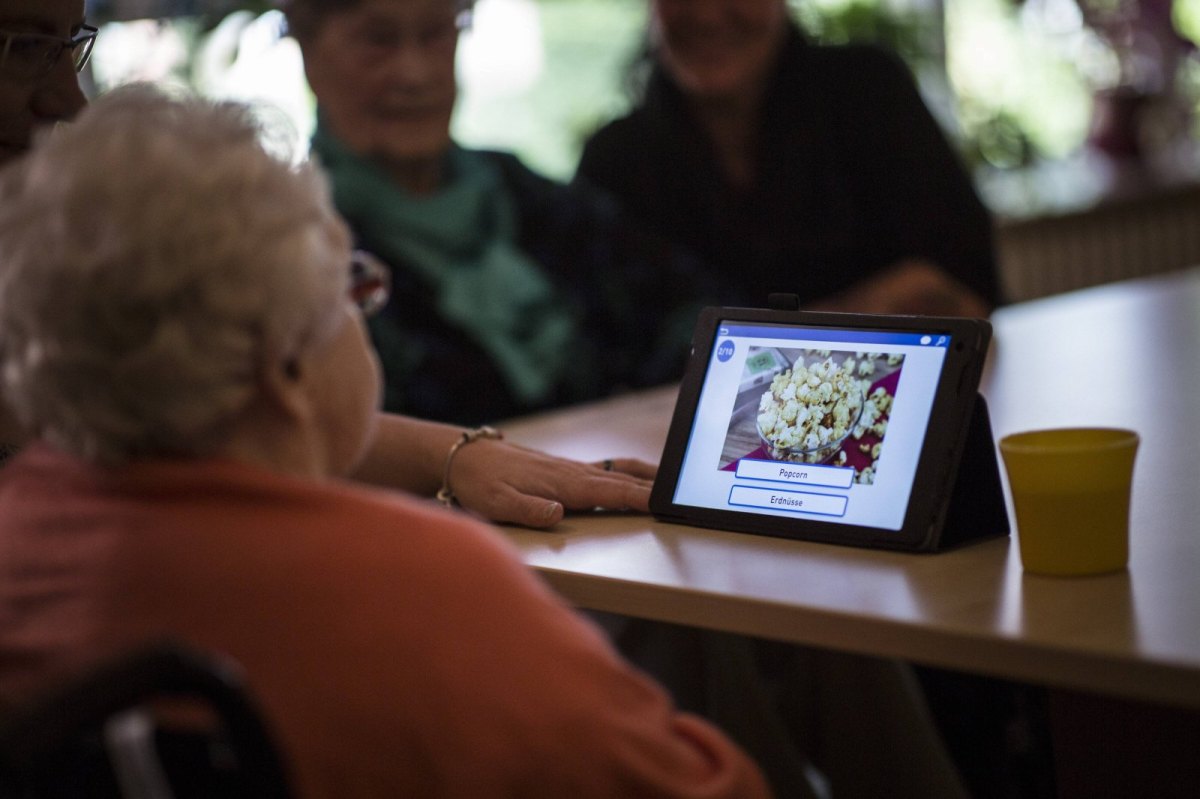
(155, 257)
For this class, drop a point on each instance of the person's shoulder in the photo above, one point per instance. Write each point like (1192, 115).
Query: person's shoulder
(383, 511)
(846, 81)
(515, 172)
(404, 548)
(618, 142)
(334, 515)
(373, 540)
(862, 66)
(533, 192)
(547, 205)
(624, 155)
(851, 54)
(621, 131)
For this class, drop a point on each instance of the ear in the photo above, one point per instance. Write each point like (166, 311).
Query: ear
(284, 387)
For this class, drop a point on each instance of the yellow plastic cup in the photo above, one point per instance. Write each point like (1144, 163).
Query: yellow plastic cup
(1070, 490)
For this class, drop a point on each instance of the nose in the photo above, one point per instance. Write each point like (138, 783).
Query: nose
(406, 64)
(57, 95)
(411, 67)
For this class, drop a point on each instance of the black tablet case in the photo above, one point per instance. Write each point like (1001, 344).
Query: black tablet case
(976, 509)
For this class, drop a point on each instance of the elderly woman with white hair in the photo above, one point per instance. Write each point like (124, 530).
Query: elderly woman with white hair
(176, 331)
(43, 43)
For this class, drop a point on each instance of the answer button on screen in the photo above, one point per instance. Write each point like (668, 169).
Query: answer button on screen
(795, 501)
(787, 472)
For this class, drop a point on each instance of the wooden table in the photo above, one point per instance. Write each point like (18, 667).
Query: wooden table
(1125, 354)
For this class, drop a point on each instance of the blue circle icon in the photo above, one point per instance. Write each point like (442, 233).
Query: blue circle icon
(724, 351)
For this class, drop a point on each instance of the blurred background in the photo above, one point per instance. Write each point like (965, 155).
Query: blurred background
(1077, 118)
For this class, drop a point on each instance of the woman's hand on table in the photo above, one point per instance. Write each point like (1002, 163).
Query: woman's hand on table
(498, 480)
(506, 482)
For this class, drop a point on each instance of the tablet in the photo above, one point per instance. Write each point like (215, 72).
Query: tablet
(844, 428)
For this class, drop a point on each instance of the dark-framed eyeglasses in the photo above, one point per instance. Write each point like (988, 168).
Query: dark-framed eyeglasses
(32, 55)
(370, 282)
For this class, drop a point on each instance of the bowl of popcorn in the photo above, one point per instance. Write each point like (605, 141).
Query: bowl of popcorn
(809, 411)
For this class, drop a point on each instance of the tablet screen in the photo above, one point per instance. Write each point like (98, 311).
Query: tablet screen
(815, 422)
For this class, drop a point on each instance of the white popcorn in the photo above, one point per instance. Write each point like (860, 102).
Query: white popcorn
(810, 408)
(882, 400)
(870, 413)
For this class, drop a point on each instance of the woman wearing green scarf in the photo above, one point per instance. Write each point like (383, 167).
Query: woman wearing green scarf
(517, 293)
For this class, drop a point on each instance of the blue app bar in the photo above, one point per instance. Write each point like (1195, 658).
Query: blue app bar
(881, 337)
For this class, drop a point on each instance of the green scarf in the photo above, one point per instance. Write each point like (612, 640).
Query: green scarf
(461, 242)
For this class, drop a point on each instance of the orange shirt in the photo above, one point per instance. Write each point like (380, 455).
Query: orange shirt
(396, 649)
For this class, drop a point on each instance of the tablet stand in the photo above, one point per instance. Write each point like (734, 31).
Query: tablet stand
(976, 510)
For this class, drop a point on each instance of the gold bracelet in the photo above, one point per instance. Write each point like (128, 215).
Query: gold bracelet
(444, 494)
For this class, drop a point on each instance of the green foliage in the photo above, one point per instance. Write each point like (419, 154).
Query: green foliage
(1185, 15)
(911, 34)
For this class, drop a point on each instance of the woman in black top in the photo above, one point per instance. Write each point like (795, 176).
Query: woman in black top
(792, 167)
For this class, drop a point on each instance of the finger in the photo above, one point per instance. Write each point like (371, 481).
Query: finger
(577, 487)
(615, 491)
(632, 466)
(513, 507)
